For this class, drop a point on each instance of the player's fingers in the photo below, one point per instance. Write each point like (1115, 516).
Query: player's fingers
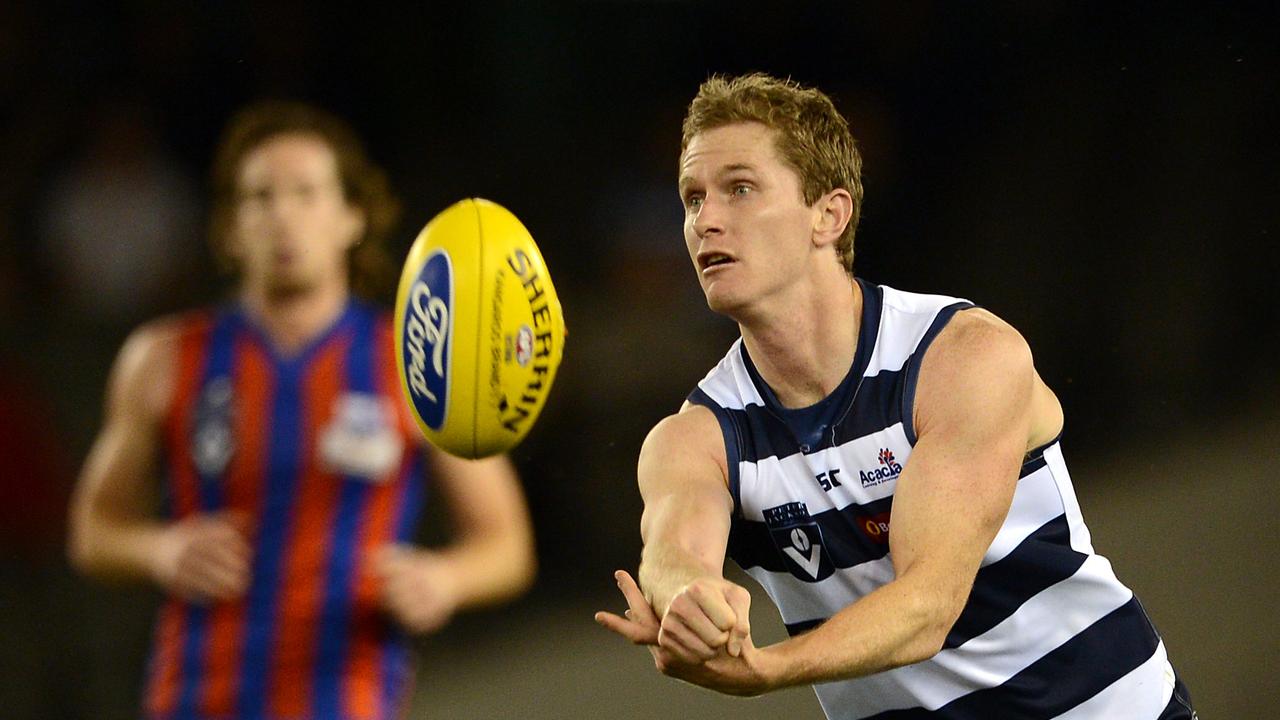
(712, 602)
(740, 601)
(689, 613)
(636, 600)
(633, 631)
(683, 642)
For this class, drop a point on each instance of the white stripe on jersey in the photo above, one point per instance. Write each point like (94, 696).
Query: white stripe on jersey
(1130, 696)
(904, 319)
(1043, 623)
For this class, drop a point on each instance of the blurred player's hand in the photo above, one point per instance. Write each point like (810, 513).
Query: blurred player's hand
(418, 587)
(204, 558)
(738, 673)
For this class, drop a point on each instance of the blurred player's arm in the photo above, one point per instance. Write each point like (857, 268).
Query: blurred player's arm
(114, 533)
(490, 560)
(682, 475)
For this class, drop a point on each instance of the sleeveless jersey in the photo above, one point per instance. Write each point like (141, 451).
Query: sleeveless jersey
(1048, 630)
(316, 451)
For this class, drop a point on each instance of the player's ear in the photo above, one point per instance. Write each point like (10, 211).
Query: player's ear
(831, 214)
(357, 221)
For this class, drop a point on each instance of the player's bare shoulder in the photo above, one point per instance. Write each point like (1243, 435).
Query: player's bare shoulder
(979, 352)
(689, 440)
(143, 377)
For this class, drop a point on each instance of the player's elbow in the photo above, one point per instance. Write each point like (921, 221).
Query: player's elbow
(932, 616)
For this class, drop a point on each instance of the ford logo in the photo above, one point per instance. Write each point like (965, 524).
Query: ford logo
(427, 337)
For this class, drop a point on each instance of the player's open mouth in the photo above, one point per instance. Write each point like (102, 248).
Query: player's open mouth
(710, 260)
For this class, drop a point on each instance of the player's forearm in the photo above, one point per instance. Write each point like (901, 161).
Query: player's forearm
(901, 623)
(111, 549)
(665, 568)
(491, 570)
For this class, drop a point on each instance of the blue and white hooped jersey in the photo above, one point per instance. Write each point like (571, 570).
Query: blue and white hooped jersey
(1048, 631)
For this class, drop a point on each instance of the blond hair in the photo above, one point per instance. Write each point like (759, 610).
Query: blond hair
(812, 136)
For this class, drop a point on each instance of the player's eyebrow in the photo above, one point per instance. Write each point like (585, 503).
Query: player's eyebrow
(685, 181)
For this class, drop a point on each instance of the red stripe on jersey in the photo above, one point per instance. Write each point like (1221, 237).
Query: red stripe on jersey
(166, 659)
(364, 675)
(254, 390)
(308, 549)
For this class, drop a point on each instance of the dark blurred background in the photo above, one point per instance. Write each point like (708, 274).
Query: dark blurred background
(1104, 176)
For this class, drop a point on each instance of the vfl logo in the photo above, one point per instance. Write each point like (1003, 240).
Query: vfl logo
(799, 538)
(888, 470)
(213, 443)
(427, 330)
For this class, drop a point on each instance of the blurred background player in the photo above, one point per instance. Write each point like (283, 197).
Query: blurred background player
(291, 477)
(885, 464)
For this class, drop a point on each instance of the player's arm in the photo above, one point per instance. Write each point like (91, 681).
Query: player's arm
(113, 531)
(973, 417)
(491, 558)
(682, 475)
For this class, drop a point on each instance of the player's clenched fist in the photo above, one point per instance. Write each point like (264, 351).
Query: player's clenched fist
(704, 616)
(203, 558)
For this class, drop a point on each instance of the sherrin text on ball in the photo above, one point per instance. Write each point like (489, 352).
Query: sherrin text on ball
(479, 330)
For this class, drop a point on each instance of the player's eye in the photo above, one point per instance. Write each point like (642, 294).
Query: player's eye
(741, 189)
(693, 202)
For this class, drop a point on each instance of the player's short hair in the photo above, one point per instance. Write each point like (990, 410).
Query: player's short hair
(364, 184)
(812, 136)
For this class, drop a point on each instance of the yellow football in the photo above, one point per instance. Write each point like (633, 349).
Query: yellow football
(479, 330)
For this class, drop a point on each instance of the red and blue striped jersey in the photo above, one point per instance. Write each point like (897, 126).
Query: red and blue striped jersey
(318, 452)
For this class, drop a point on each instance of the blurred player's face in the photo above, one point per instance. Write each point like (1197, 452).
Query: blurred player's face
(293, 224)
(746, 225)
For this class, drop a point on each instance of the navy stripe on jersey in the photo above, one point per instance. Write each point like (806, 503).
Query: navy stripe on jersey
(732, 442)
(795, 628)
(1110, 648)
(917, 359)
(750, 544)
(217, 366)
(335, 618)
(1043, 559)
(768, 435)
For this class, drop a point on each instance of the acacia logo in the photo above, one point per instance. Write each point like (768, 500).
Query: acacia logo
(888, 470)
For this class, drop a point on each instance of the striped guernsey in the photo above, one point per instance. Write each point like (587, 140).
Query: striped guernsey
(1048, 630)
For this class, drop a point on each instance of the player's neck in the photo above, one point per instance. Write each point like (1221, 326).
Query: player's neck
(805, 349)
(292, 320)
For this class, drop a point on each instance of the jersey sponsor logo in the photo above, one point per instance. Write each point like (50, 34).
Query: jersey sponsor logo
(361, 439)
(875, 527)
(213, 442)
(427, 334)
(888, 470)
(799, 539)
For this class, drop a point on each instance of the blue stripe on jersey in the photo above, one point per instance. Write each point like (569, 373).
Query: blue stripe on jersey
(218, 364)
(335, 613)
(1110, 648)
(917, 359)
(1043, 559)
(284, 464)
(396, 668)
(845, 544)
(768, 435)
(732, 442)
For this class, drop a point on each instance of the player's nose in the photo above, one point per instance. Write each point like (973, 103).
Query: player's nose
(709, 219)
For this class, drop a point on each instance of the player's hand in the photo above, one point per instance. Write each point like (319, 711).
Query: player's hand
(704, 617)
(418, 587)
(204, 558)
(742, 673)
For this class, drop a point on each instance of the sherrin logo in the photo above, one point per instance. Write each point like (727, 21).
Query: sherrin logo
(427, 338)
(888, 470)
